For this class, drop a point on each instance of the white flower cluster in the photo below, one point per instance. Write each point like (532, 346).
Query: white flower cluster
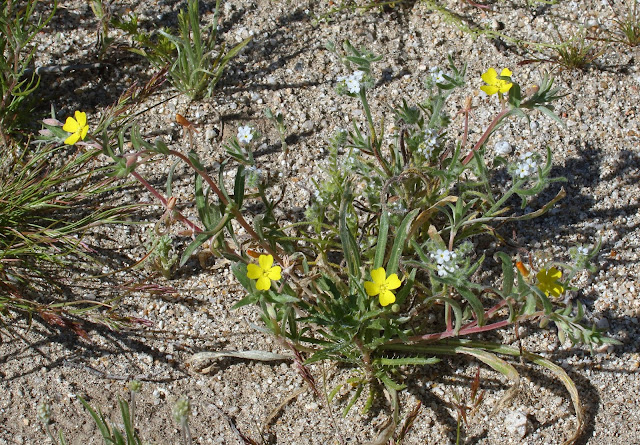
(353, 81)
(446, 260)
(437, 75)
(584, 251)
(245, 134)
(527, 165)
(429, 142)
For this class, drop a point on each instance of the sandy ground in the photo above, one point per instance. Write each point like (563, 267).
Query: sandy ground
(287, 68)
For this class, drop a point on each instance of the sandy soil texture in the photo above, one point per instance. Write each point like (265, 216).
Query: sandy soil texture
(286, 67)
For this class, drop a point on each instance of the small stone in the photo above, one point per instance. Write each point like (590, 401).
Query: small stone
(516, 423)
(307, 126)
(502, 148)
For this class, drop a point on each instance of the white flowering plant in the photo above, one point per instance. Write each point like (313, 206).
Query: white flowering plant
(384, 270)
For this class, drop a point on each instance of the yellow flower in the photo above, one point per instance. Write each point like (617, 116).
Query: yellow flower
(382, 285)
(494, 84)
(264, 273)
(548, 282)
(78, 127)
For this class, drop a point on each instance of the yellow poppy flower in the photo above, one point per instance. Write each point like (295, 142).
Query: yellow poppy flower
(78, 127)
(264, 272)
(548, 282)
(495, 85)
(382, 285)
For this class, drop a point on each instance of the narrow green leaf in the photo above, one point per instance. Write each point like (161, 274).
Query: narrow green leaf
(353, 400)
(381, 245)
(399, 242)
(349, 244)
(238, 189)
(408, 361)
(507, 273)
(476, 304)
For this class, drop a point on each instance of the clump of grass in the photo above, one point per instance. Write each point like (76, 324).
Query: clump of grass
(194, 58)
(627, 27)
(44, 194)
(578, 52)
(112, 434)
(19, 25)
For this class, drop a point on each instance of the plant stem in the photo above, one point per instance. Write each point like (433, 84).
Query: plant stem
(486, 134)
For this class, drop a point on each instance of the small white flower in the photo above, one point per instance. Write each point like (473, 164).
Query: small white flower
(442, 256)
(353, 81)
(245, 134)
(437, 75)
(583, 250)
(522, 171)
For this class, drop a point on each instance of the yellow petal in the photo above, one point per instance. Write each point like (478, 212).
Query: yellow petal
(83, 132)
(371, 288)
(489, 89)
(266, 261)
(70, 125)
(505, 86)
(386, 298)
(253, 271)
(556, 290)
(490, 76)
(378, 275)
(506, 73)
(554, 274)
(81, 118)
(263, 283)
(274, 273)
(72, 139)
(393, 282)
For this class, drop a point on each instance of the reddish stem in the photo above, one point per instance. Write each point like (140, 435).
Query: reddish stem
(179, 216)
(234, 209)
(486, 135)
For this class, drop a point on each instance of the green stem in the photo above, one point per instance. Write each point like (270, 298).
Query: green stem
(373, 138)
(502, 200)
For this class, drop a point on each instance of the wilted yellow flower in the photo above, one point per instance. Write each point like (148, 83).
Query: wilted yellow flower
(382, 285)
(264, 272)
(78, 127)
(494, 84)
(548, 282)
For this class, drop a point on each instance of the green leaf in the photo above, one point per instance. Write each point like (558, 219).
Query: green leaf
(381, 244)
(99, 419)
(507, 273)
(407, 361)
(239, 270)
(398, 243)
(249, 299)
(403, 293)
(238, 189)
(476, 304)
(349, 244)
(384, 378)
(353, 400)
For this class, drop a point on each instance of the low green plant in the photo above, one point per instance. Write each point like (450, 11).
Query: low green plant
(111, 434)
(194, 58)
(19, 25)
(389, 240)
(627, 25)
(102, 9)
(48, 200)
(578, 52)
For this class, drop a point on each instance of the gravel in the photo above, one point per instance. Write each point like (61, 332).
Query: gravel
(286, 68)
